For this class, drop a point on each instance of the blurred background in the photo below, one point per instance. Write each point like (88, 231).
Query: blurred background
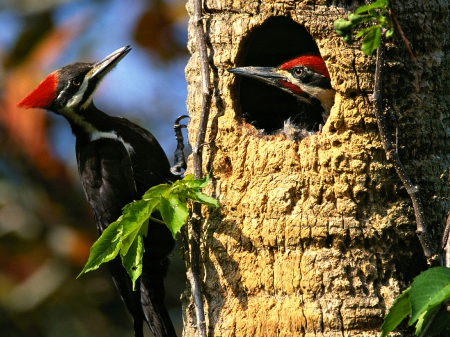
(46, 226)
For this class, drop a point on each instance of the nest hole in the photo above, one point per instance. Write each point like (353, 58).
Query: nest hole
(264, 106)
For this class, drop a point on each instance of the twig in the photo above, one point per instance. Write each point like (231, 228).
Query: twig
(392, 155)
(424, 332)
(399, 29)
(445, 243)
(194, 270)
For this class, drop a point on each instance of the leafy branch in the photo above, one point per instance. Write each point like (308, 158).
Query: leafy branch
(423, 301)
(426, 300)
(377, 12)
(392, 155)
(125, 236)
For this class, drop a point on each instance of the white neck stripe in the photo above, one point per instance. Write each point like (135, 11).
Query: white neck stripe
(112, 135)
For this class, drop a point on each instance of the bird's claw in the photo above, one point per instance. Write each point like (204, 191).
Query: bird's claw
(179, 158)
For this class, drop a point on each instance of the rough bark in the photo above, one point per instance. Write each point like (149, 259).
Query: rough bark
(316, 237)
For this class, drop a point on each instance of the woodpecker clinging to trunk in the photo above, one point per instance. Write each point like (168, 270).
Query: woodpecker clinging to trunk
(306, 77)
(117, 161)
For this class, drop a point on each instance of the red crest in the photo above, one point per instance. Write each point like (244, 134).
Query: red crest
(312, 61)
(43, 95)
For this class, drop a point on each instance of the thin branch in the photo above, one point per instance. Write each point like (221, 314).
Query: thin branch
(445, 243)
(194, 270)
(392, 155)
(206, 89)
(399, 29)
(157, 220)
(424, 332)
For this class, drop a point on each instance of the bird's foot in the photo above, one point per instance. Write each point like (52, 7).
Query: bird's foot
(179, 158)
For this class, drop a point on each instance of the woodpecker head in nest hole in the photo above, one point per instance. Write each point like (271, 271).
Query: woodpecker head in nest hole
(306, 77)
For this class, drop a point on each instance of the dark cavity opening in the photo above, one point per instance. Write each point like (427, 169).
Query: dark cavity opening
(264, 106)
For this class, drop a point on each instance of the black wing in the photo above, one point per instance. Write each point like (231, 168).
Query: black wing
(150, 164)
(151, 167)
(109, 178)
(106, 174)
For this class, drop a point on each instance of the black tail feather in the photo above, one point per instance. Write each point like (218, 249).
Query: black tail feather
(158, 243)
(155, 312)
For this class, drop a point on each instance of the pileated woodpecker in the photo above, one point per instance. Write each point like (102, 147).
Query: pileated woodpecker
(118, 161)
(306, 77)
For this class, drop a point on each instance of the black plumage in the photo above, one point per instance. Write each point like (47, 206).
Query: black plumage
(112, 178)
(118, 161)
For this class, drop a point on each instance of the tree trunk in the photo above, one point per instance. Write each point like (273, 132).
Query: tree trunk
(316, 237)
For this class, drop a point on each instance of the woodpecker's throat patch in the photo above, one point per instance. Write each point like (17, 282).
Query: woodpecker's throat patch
(43, 95)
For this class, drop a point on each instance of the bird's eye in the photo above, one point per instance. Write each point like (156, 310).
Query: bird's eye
(76, 83)
(298, 71)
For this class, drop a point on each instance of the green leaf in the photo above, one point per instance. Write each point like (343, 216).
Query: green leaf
(174, 212)
(189, 177)
(358, 19)
(428, 290)
(348, 38)
(132, 259)
(106, 247)
(397, 313)
(126, 234)
(382, 20)
(198, 183)
(135, 230)
(156, 191)
(366, 30)
(135, 216)
(440, 323)
(372, 13)
(379, 4)
(371, 41)
(202, 198)
(121, 234)
(423, 320)
(342, 26)
(389, 33)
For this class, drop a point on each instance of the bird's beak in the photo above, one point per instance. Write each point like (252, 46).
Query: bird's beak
(101, 68)
(266, 74)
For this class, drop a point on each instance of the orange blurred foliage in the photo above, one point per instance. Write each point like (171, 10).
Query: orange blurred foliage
(155, 29)
(28, 129)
